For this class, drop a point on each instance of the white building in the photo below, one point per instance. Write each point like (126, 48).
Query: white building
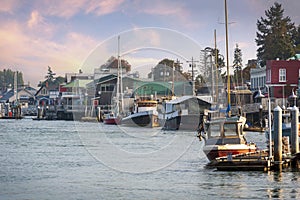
(258, 78)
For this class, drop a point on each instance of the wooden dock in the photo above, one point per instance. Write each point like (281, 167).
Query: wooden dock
(255, 161)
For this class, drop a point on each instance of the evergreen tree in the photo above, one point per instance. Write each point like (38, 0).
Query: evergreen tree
(50, 75)
(297, 40)
(7, 77)
(237, 65)
(275, 35)
(237, 62)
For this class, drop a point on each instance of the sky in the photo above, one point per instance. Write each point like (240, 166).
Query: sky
(81, 34)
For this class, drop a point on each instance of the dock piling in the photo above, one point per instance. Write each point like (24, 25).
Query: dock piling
(294, 130)
(278, 138)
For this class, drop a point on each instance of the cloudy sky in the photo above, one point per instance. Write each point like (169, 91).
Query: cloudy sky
(64, 34)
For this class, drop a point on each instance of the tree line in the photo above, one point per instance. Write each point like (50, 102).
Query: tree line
(7, 77)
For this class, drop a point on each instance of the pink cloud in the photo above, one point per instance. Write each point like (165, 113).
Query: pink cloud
(173, 9)
(8, 6)
(103, 7)
(68, 9)
(23, 50)
(35, 19)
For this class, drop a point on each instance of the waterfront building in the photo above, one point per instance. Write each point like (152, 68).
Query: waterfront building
(258, 78)
(282, 77)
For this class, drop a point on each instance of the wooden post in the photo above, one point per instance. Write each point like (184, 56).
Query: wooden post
(294, 130)
(278, 138)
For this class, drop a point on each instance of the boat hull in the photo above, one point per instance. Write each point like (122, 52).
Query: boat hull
(183, 122)
(8, 117)
(112, 121)
(142, 119)
(215, 151)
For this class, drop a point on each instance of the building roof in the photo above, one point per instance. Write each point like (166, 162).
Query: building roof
(77, 83)
(295, 57)
(7, 95)
(185, 98)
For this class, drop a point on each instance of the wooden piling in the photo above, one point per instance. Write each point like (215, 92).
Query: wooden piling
(294, 130)
(278, 138)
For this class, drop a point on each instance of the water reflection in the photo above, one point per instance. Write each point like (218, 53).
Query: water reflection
(276, 191)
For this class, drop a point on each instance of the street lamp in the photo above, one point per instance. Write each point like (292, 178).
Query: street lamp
(294, 97)
(259, 95)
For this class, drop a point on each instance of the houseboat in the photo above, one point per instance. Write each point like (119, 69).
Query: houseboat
(185, 113)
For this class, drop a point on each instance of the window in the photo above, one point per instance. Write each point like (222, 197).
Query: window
(268, 76)
(282, 75)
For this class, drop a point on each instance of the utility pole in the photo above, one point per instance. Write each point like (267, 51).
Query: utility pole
(173, 79)
(192, 65)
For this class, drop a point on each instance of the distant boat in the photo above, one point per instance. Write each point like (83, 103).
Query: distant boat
(111, 119)
(145, 114)
(225, 137)
(184, 113)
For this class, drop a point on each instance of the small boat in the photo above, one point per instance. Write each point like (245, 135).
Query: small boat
(145, 114)
(111, 119)
(225, 137)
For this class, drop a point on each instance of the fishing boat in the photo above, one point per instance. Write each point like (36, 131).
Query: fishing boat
(225, 137)
(145, 114)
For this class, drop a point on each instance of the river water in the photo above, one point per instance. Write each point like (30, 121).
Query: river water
(81, 160)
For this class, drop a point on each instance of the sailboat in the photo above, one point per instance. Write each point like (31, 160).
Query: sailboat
(224, 135)
(114, 117)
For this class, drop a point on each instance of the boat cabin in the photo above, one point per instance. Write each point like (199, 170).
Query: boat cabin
(225, 132)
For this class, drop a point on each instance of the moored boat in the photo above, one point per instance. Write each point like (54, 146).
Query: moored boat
(111, 119)
(185, 113)
(145, 114)
(225, 137)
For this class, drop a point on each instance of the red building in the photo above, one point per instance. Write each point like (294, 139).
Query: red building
(282, 77)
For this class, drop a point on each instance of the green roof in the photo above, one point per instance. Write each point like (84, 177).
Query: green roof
(161, 88)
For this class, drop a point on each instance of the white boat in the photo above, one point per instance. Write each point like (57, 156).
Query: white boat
(145, 114)
(225, 137)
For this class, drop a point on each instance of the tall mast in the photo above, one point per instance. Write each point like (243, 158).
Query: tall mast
(120, 68)
(216, 65)
(16, 87)
(118, 78)
(227, 58)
